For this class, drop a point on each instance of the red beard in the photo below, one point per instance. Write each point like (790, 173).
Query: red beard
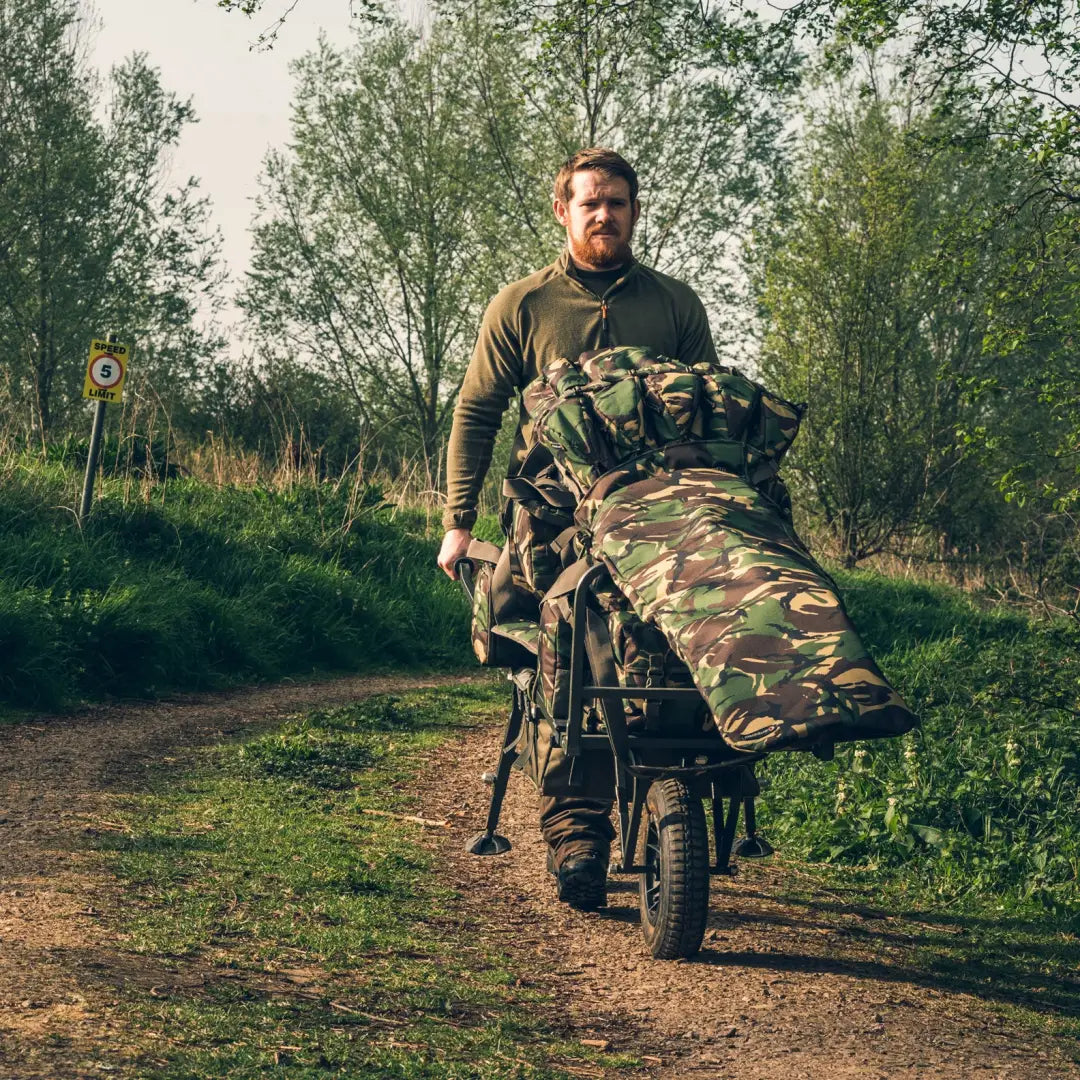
(601, 250)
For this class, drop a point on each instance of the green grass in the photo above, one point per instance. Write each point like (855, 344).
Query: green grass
(981, 803)
(301, 938)
(201, 586)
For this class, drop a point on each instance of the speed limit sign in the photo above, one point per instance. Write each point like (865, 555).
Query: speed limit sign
(106, 371)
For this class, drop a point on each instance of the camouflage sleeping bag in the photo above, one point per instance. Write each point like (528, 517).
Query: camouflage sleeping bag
(674, 468)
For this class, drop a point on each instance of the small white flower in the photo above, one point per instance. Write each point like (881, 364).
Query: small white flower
(1012, 755)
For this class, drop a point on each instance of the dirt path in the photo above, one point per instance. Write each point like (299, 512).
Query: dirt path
(63, 969)
(824, 989)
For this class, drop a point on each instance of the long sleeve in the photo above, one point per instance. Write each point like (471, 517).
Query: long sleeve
(695, 338)
(493, 376)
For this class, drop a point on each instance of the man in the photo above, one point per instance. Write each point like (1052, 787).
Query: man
(596, 295)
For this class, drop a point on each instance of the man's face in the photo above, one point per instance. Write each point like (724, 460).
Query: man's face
(599, 220)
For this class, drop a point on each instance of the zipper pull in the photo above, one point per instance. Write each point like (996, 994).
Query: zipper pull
(603, 316)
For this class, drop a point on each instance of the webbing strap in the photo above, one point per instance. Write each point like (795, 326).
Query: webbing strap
(483, 551)
(523, 489)
(602, 665)
(564, 539)
(764, 470)
(567, 581)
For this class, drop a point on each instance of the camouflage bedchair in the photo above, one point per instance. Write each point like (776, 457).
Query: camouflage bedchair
(650, 547)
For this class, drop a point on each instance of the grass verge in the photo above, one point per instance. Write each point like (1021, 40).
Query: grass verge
(977, 811)
(296, 936)
(1018, 960)
(190, 586)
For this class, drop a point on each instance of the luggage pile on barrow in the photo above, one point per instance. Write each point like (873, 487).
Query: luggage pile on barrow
(663, 624)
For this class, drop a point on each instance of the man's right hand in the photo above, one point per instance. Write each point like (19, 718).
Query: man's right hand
(454, 545)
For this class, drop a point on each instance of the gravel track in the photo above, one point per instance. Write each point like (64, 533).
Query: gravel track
(821, 990)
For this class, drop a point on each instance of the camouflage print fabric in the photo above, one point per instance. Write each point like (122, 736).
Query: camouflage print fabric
(504, 631)
(674, 467)
(622, 407)
(707, 558)
(533, 528)
(542, 760)
(642, 654)
(482, 617)
(553, 655)
(644, 658)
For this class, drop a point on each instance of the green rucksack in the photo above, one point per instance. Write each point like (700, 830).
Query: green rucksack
(675, 472)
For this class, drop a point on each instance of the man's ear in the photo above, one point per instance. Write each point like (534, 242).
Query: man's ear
(636, 211)
(562, 213)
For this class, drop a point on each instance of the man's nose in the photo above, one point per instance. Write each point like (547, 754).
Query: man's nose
(603, 217)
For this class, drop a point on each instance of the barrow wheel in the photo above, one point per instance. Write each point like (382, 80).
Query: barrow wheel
(674, 888)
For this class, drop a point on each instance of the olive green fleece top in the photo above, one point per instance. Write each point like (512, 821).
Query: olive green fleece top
(540, 318)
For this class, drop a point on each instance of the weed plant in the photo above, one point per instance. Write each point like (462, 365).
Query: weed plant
(188, 585)
(982, 800)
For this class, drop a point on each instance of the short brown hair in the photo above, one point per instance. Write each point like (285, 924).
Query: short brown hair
(606, 162)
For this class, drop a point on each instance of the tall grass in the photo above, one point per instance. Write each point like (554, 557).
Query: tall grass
(189, 584)
(983, 800)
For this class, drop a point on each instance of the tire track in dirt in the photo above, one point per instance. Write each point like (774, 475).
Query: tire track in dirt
(822, 990)
(63, 968)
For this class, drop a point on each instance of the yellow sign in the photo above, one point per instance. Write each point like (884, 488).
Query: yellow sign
(106, 371)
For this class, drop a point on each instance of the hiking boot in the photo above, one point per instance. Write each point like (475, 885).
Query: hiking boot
(582, 880)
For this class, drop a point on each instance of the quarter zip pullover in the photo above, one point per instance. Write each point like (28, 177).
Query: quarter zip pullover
(540, 318)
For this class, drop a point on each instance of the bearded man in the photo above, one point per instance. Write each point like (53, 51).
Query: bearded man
(594, 296)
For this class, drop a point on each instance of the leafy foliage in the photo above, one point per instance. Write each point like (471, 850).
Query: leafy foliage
(373, 254)
(1014, 67)
(90, 237)
(982, 800)
(693, 103)
(864, 327)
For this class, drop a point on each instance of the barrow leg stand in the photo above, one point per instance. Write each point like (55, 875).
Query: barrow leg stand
(489, 842)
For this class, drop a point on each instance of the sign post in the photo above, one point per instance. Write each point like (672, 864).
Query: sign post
(104, 383)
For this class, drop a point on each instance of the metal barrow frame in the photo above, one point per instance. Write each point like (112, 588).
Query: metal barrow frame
(704, 763)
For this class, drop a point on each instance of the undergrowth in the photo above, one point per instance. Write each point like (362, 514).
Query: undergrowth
(979, 803)
(196, 586)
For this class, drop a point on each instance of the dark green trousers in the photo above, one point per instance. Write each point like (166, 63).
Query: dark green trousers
(572, 825)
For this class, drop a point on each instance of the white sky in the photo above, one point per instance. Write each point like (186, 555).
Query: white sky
(241, 93)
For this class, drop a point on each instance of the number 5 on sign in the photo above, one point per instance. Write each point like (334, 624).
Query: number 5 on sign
(106, 371)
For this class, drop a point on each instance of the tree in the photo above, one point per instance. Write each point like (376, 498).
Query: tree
(376, 245)
(89, 237)
(1016, 66)
(691, 101)
(1017, 63)
(372, 11)
(419, 182)
(876, 324)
